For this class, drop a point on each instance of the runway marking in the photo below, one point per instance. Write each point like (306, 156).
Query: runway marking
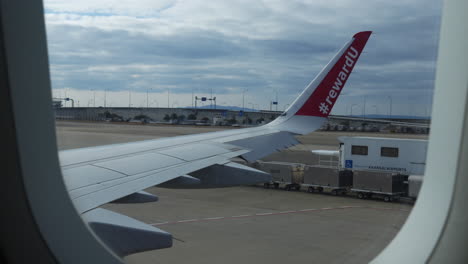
(188, 220)
(214, 218)
(286, 212)
(160, 223)
(306, 210)
(350, 206)
(239, 216)
(277, 213)
(260, 214)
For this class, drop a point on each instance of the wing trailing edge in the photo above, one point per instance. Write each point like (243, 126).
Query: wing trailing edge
(138, 197)
(229, 174)
(184, 181)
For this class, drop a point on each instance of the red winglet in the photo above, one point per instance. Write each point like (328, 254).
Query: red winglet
(321, 101)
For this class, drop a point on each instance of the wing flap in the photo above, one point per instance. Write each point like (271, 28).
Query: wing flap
(88, 175)
(125, 235)
(139, 163)
(229, 174)
(117, 184)
(192, 152)
(183, 181)
(138, 197)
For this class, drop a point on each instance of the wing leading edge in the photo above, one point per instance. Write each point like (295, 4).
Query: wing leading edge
(118, 173)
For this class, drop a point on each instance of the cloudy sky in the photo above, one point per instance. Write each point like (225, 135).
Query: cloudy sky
(120, 49)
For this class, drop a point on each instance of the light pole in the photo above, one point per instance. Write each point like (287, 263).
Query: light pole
(168, 92)
(276, 99)
(391, 104)
(243, 97)
(364, 108)
(353, 105)
(211, 96)
(376, 109)
(105, 98)
(129, 98)
(65, 96)
(147, 103)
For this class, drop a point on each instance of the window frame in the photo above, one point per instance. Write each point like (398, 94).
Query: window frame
(25, 71)
(382, 154)
(436, 229)
(441, 238)
(359, 147)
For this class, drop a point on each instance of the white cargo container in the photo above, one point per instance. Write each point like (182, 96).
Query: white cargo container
(404, 156)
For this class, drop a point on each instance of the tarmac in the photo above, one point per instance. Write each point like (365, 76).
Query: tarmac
(250, 224)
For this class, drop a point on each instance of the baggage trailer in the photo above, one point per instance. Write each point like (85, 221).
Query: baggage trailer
(385, 185)
(318, 179)
(283, 174)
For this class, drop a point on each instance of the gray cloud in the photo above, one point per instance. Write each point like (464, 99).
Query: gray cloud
(277, 52)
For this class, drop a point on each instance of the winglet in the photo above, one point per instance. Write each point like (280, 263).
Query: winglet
(324, 96)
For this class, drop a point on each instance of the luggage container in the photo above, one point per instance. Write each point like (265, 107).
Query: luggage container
(386, 185)
(287, 175)
(327, 178)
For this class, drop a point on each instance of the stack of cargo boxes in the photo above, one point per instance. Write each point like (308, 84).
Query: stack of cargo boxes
(283, 173)
(390, 185)
(379, 167)
(320, 178)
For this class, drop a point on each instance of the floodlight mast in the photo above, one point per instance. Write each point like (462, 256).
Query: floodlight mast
(203, 99)
(66, 99)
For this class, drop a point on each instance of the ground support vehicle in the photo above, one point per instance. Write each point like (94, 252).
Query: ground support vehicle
(318, 179)
(386, 196)
(334, 190)
(404, 156)
(284, 175)
(388, 186)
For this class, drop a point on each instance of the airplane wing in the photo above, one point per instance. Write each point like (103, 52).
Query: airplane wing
(118, 173)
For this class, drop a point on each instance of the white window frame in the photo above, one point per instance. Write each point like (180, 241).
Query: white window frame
(435, 231)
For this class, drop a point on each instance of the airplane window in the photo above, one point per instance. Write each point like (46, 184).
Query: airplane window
(210, 127)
